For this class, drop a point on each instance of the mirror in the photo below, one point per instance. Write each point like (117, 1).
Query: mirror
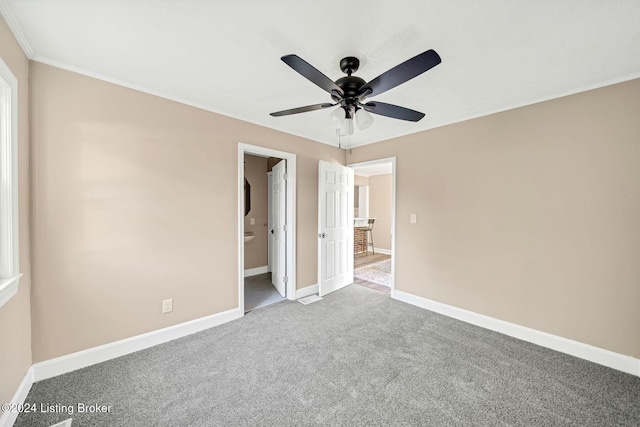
(247, 197)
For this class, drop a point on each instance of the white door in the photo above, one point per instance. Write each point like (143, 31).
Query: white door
(279, 230)
(335, 227)
(269, 222)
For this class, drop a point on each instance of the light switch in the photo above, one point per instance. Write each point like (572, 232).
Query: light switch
(252, 221)
(414, 218)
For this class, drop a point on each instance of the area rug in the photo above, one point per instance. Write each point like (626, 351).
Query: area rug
(379, 272)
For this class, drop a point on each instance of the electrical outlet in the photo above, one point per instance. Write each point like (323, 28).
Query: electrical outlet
(252, 221)
(167, 305)
(414, 218)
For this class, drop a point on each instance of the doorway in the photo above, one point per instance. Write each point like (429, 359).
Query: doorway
(264, 248)
(374, 224)
(266, 270)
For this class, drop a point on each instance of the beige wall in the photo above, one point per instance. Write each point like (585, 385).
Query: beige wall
(15, 317)
(531, 215)
(137, 202)
(380, 207)
(360, 180)
(255, 251)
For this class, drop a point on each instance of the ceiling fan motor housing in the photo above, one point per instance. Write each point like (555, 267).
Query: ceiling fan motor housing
(350, 85)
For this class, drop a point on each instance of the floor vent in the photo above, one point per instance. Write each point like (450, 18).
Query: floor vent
(309, 299)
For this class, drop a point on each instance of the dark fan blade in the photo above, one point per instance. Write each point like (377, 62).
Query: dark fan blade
(315, 76)
(394, 111)
(301, 109)
(401, 73)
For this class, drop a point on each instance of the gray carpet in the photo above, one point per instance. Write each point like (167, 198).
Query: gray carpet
(356, 358)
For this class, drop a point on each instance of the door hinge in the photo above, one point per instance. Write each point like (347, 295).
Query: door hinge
(285, 228)
(285, 176)
(286, 279)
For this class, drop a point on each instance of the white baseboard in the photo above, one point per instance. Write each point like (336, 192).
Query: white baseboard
(71, 362)
(255, 271)
(8, 418)
(382, 251)
(305, 292)
(588, 352)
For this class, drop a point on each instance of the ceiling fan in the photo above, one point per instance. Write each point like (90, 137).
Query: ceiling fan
(350, 92)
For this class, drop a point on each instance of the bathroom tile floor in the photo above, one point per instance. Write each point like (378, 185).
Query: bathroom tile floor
(259, 292)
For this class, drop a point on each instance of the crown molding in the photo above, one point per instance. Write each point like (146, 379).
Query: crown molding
(11, 22)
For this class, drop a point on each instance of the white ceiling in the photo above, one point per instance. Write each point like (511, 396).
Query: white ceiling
(224, 55)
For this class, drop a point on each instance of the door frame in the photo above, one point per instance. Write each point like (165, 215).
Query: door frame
(269, 223)
(290, 216)
(391, 160)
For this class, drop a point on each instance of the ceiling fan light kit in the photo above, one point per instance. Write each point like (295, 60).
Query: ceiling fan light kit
(347, 127)
(363, 119)
(336, 117)
(350, 92)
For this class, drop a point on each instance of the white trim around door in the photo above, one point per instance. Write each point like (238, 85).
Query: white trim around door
(391, 160)
(290, 216)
